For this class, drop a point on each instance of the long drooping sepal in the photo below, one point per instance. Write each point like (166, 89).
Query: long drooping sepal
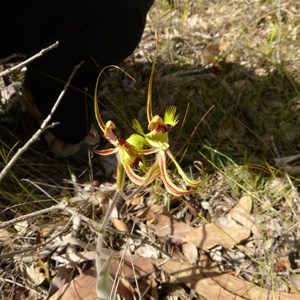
(135, 178)
(150, 86)
(96, 107)
(149, 96)
(187, 180)
(170, 186)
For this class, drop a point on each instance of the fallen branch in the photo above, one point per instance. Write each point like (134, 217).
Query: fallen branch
(42, 128)
(29, 60)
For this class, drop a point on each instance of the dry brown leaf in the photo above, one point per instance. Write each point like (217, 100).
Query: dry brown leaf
(81, 287)
(170, 229)
(149, 212)
(211, 235)
(193, 277)
(213, 284)
(120, 225)
(248, 290)
(134, 266)
(241, 214)
(5, 236)
(84, 285)
(54, 224)
(126, 289)
(226, 233)
(190, 252)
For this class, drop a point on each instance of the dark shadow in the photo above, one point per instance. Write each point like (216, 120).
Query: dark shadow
(252, 116)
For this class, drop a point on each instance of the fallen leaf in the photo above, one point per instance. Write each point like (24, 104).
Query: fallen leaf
(213, 284)
(211, 235)
(190, 252)
(5, 236)
(193, 277)
(21, 227)
(134, 266)
(81, 287)
(241, 214)
(149, 212)
(72, 259)
(169, 229)
(120, 225)
(148, 251)
(84, 285)
(226, 233)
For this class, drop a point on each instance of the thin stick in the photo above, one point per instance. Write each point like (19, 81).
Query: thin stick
(43, 127)
(59, 206)
(30, 59)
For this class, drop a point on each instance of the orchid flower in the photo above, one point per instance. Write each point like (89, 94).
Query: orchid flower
(127, 154)
(131, 151)
(158, 140)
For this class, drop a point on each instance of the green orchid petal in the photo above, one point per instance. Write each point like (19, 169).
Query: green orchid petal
(152, 173)
(137, 141)
(187, 180)
(170, 186)
(158, 139)
(170, 116)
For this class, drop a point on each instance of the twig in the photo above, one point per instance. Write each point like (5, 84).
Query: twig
(43, 127)
(73, 212)
(59, 206)
(29, 60)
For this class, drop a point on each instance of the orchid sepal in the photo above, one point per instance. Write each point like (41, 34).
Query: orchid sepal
(170, 186)
(186, 179)
(135, 178)
(109, 151)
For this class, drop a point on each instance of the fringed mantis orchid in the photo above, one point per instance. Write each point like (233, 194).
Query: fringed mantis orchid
(130, 153)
